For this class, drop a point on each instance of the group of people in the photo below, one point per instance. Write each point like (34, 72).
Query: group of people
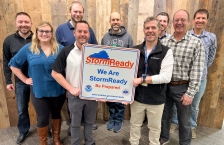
(172, 70)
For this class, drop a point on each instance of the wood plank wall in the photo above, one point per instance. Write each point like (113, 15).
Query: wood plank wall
(133, 13)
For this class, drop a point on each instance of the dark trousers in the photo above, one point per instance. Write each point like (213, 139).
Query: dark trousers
(76, 107)
(22, 99)
(46, 107)
(116, 110)
(174, 94)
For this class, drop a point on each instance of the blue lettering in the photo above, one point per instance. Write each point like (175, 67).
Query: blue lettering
(102, 71)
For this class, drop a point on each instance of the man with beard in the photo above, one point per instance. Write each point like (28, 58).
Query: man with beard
(11, 46)
(164, 19)
(200, 20)
(189, 56)
(117, 36)
(64, 32)
(69, 60)
(154, 72)
(65, 35)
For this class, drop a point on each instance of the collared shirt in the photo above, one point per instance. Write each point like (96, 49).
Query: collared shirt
(69, 60)
(210, 45)
(65, 35)
(189, 58)
(164, 36)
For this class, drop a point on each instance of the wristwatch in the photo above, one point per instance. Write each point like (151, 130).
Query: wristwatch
(143, 78)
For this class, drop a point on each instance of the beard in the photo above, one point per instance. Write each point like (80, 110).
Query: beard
(26, 31)
(74, 19)
(116, 28)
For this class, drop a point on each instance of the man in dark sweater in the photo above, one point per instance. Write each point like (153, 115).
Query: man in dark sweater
(117, 36)
(11, 46)
(154, 71)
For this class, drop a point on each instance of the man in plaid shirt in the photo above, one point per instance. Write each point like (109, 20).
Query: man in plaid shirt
(200, 20)
(189, 55)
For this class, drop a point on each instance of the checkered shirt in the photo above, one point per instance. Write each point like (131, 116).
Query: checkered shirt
(210, 44)
(189, 55)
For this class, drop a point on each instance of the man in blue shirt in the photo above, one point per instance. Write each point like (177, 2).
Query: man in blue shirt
(65, 35)
(64, 32)
(210, 44)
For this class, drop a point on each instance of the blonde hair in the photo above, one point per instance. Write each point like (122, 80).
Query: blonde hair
(75, 2)
(36, 42)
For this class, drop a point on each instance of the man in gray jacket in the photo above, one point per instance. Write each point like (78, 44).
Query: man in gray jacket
(117, 36)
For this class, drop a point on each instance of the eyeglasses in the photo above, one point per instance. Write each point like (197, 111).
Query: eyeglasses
(181, 20)
(44, 31)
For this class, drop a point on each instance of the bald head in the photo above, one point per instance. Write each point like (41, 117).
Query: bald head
(182, 11)
(115, 22)
(116, 15)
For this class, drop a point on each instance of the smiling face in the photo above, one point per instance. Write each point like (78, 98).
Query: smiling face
(23, 24)
(163, 22)
(76, 12)
(115, 22)
(200, 20)
(180, 22)
(81, 33)
(151, 31)
(44, 33)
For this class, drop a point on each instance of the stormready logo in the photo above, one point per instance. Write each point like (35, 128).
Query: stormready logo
(102, 58)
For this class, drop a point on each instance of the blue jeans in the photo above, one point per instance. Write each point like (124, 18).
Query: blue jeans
(195, 106)
(116, 110)
(22, 99)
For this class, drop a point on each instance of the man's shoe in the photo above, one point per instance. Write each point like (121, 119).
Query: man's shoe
(193, 131)
(173, 127)
(162, 142)
(21, 138)
(69, 131)
(110, 125)
(95, 127)
(117, 127)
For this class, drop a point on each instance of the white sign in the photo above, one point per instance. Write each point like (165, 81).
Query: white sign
(107, 73)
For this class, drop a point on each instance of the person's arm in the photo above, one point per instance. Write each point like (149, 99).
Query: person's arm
(92, 37)
(165, 72)
(57, 34)
(130, 45)
(16, 63)
(21, 76)
(196, 70)
(7, 71)
(212, 51)
(62, 81)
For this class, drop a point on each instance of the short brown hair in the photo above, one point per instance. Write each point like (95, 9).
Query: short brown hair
(22, 13)
(201, 11)
(164, 14)
(82, 21)
(149, 19)
(75, 2)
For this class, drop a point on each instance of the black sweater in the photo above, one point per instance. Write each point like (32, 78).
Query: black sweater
(11, 45)
(153, 94)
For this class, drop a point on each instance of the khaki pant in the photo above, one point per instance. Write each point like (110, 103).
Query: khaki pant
(154, 115)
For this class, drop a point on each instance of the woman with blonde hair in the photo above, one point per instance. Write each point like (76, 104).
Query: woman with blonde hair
(47, 95)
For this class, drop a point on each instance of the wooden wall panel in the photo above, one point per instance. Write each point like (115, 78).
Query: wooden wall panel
(133, 13)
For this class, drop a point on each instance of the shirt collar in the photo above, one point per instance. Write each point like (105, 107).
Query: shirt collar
(203, 34)
(186, 36)
(70, 25)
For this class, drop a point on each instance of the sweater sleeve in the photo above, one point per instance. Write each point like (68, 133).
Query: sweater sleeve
(19, 59)
(6, 58)
(166, 69)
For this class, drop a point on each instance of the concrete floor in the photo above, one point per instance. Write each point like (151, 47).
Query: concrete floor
(205, 136)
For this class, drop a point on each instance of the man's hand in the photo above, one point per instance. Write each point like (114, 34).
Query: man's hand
(186, 100)
(74, 91)
(29, 81)
(137, 81)
(10, 87)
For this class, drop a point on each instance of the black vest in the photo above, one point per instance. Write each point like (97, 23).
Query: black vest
(154, 94)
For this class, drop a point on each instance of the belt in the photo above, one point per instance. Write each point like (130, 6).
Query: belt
(179, 82)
